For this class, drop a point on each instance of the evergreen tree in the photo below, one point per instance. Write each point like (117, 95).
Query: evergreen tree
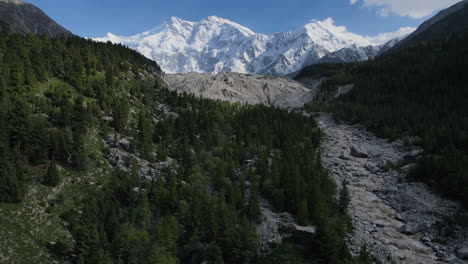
(59, 146)
(10, 187)
(343, 198)
(38, 142)
(158, 255)
(253, 205)
(303, 213)
(52, 177)
(145, 136)
(121, 115)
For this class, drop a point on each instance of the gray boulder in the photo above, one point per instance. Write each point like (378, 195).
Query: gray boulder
(305, 229)
(358, 153)
(452, 259)
(343, 157)
(399, 255)
(107, 118)
(399, 217)
(372, 167)
(408, 167)
(303, 233)
(413, 154)
(409, 229)
(124, 143)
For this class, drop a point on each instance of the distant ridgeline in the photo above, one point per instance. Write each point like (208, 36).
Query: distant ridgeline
(61, 98)
(418, 89)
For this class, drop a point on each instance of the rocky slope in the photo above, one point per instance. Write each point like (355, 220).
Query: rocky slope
(17, 16)
(402, 220)
(216, 45)
(250, 89)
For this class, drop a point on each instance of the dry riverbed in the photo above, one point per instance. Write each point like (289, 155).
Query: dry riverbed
(398, 221)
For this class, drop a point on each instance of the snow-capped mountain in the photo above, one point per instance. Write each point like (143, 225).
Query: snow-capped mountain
(216, 45)
(352, 53)
(390, 44)
(355, 53)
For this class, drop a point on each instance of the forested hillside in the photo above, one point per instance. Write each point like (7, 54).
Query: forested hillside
(420, 90)
(67, 106)
(53, 91)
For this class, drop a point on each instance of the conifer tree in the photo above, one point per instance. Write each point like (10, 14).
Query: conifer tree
(145, 136)
(343, 198)
(303, 212)
(121, 115)
(52, 177)
(10, 187)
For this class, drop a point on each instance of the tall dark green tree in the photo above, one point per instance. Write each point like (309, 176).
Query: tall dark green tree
(10, 187)
(145, 136)
(121, 114)
(343, 198)
(52, 177)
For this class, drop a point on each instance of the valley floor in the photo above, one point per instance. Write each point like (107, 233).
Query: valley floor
(398, 221)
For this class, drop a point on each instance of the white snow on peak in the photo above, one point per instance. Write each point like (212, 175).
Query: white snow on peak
(327, 32)
(219, 20)
(215, 45)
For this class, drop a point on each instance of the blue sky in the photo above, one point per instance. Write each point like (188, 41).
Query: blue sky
(94, 18)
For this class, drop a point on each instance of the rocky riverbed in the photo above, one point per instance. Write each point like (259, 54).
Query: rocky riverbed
(398, 221)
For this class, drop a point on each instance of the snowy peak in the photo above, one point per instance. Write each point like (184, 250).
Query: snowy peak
(326, 30)
(222, 21)
(215, 45)
(352, 53)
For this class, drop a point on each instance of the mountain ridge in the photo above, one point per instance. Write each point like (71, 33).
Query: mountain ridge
(17, 16)
(432, 22)
(215, 45)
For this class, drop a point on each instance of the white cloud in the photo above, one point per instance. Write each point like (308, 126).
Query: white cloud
(384, 37)
(408, 8)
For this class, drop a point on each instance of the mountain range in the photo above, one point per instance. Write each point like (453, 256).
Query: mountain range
(215, 45)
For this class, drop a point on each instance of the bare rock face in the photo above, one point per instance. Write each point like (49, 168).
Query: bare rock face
(249, 89)
(269, 229)
(17, 16)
